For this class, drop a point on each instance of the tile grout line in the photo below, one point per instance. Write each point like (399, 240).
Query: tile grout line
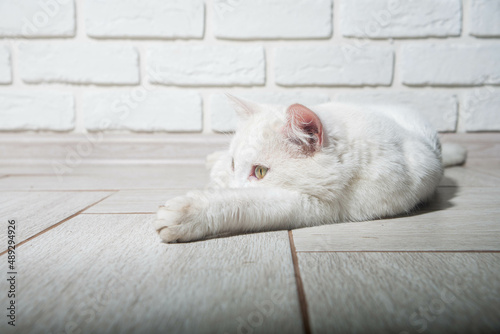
(300, 286)
(118, 213)
(96, 190)
(404, 251)
(59, 223)
(59, 190)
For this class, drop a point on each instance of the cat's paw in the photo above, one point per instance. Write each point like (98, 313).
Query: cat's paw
(180, 219)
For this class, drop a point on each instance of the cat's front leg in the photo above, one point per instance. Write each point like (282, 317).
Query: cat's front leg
(181, 218)
(201, 214)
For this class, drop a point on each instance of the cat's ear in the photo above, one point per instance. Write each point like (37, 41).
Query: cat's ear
(244, 108)
(304, 128)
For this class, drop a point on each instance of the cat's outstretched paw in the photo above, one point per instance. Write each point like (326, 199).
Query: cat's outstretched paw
(179, 219)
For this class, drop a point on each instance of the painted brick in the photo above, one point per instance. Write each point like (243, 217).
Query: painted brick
(145, 18)
(143, 109)
(79, 63)
(450, 64)
(268, 19)
(396, 18)
(223, 115)
(481, 109)
(36, 111)
(37, 18)
(440, 109)
(485, 18)
(5, 65)
(342, 65)
(187, 65)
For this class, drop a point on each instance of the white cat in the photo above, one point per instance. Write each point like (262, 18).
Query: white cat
(292, 167)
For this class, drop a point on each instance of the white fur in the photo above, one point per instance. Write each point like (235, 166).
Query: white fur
(453, 154)
(373, 163)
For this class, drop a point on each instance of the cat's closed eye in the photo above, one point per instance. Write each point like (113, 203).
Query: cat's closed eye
(232, 164)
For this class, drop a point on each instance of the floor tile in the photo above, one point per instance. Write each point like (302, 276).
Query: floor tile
(402, 292)
(111, 274)
(486, 166)
(36, 211)
(173, 176)
(123, 168)
(478, 145)
(467, 177)
(135, 201)
(456, 219)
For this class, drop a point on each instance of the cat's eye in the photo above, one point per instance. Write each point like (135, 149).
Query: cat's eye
(232, 164)
(260, 172)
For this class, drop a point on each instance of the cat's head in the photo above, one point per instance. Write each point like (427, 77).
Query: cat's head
(273, 145)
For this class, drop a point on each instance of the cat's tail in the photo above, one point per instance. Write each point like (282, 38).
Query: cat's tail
(453, 154)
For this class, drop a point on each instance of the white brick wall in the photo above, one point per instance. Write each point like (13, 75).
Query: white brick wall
(482, 110)
(485, 18)
(382, 18)
(187, 65)
(269, 19)
(334, 65)
(5, 68)
(143, 110)
(163, 65)
(439, 108)
(450, 64)
(78, 63)
(37, 111)
(145, 18)
(37, 18)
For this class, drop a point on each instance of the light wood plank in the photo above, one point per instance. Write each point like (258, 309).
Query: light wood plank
(136, 201)
(486, 166)
(479, 145)
(110, 147)
(457, 219)
(23, 169)
(36, 211)
(402, 292)
(96, 168)
(467, 177)
(111, 273)
(127, 177)
(176, 176)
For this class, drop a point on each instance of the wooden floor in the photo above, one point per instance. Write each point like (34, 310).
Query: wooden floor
(89, 261)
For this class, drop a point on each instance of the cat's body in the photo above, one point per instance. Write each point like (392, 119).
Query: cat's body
(291, 167)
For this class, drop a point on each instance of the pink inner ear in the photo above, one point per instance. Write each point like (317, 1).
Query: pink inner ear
(307, 121)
